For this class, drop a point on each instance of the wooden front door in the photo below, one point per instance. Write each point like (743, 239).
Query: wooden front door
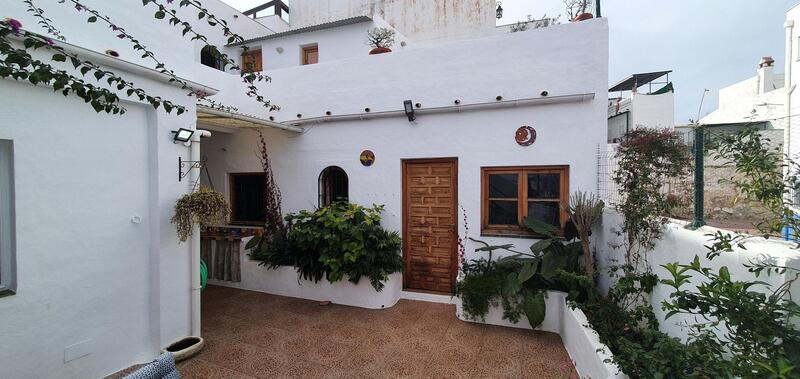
(430, 198)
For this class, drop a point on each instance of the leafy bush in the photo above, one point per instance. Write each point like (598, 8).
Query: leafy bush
(333, 242)
(519, 282)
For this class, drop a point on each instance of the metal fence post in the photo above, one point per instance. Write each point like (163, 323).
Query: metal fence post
(699, 183)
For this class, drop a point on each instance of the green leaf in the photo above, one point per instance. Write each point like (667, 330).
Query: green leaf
(541, 245)
(527, 271)
(535, 308)
(59, 58)
(540, 227)
(252, 243)
(160, 15)
(92, 19)
(724, 273)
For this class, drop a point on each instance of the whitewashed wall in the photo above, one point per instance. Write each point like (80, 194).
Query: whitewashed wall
(681, 245)
(737, 101)
(87, 272)
(653, 111)
(419, 20)
(565, 60)
(96, 291)
(334, 44)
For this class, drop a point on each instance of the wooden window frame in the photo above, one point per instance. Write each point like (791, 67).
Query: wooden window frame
(304, 54)
(522, 198)
(234, 218)
(258, 59)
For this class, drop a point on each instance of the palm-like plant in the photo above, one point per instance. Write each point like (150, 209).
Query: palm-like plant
(585, 210)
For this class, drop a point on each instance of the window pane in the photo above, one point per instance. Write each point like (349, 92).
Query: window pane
(503, 185)
(544, 186)
(503, 212)
(248, 198)
(545, 211)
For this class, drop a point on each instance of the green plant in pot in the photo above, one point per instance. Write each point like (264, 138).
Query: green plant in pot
(519, 282)
(204, 206)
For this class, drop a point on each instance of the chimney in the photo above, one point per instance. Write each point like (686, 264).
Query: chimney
(766, 75)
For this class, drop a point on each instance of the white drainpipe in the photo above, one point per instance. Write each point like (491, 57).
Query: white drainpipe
(787, 130)
(195, 244)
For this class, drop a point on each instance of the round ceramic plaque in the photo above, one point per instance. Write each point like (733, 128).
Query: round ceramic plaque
(525, 136)
(367, 158)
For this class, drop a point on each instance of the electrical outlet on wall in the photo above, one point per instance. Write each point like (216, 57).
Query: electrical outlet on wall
(78, 350)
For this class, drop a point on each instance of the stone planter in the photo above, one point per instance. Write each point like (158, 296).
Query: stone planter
(185, 348)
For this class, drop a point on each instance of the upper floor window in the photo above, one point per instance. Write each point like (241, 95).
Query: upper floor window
(251, 61)
(512, 194)
(8, 283)
(247, 199)
(333, 186)
(211, 57)
(310, 54)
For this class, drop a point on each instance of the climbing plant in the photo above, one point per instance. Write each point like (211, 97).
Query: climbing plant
(648, 159)
(17, 59)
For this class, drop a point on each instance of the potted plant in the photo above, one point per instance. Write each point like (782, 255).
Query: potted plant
(206, 206)
(576, 10)
(381, 39)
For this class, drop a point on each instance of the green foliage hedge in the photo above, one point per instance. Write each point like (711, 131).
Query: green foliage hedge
(333, 242)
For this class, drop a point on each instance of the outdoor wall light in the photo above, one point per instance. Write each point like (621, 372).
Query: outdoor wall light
(418, 105)
(367, 110)
(182, 135)
(408, 106)
(499, 10)
(457, 101)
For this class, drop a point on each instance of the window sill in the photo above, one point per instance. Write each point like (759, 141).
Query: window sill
(512, 235)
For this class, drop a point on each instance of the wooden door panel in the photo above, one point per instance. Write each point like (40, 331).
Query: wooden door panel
(429, 224)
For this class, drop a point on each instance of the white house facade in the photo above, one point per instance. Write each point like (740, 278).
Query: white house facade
(643, 100)
(96, 278)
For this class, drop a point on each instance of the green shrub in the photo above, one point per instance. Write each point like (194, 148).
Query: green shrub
(333, 242)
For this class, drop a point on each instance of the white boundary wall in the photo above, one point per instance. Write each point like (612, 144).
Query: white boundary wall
(681, 245)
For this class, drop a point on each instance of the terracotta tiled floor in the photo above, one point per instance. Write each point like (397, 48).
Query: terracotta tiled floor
(251, 334)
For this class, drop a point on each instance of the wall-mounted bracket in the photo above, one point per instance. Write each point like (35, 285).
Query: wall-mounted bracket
(188, 166)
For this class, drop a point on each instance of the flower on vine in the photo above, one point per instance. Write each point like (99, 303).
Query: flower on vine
(15, 25)
(170, 1)
(78, 7)
(113, 27)
(49, 41)
(121, 35)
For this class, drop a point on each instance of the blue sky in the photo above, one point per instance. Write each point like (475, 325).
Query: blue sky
(708, 43)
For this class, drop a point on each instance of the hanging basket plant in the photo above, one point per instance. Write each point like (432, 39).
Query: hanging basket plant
(205, 206)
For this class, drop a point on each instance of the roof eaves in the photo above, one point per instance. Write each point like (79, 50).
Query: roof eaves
(307, 29)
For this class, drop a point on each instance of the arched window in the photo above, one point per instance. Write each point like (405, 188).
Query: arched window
(332, 186)
(210, 57)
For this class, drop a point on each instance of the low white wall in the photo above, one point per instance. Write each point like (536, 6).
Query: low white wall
(681, 245)
(285, 282)
(582, 343)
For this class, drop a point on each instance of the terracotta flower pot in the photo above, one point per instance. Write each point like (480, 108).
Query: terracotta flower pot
(380, 50)
(583, 17)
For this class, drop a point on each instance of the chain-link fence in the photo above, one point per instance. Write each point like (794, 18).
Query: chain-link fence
(722, 204)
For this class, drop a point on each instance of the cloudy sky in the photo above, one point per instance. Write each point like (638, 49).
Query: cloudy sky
(708, 43)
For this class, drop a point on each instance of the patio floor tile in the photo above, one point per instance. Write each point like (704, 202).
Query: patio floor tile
(255, 335)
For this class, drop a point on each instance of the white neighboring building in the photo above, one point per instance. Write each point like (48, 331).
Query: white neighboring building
(96, 279)
(644, 101)
(760, 98)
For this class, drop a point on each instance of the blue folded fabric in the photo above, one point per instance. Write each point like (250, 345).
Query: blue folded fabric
(162, 367)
